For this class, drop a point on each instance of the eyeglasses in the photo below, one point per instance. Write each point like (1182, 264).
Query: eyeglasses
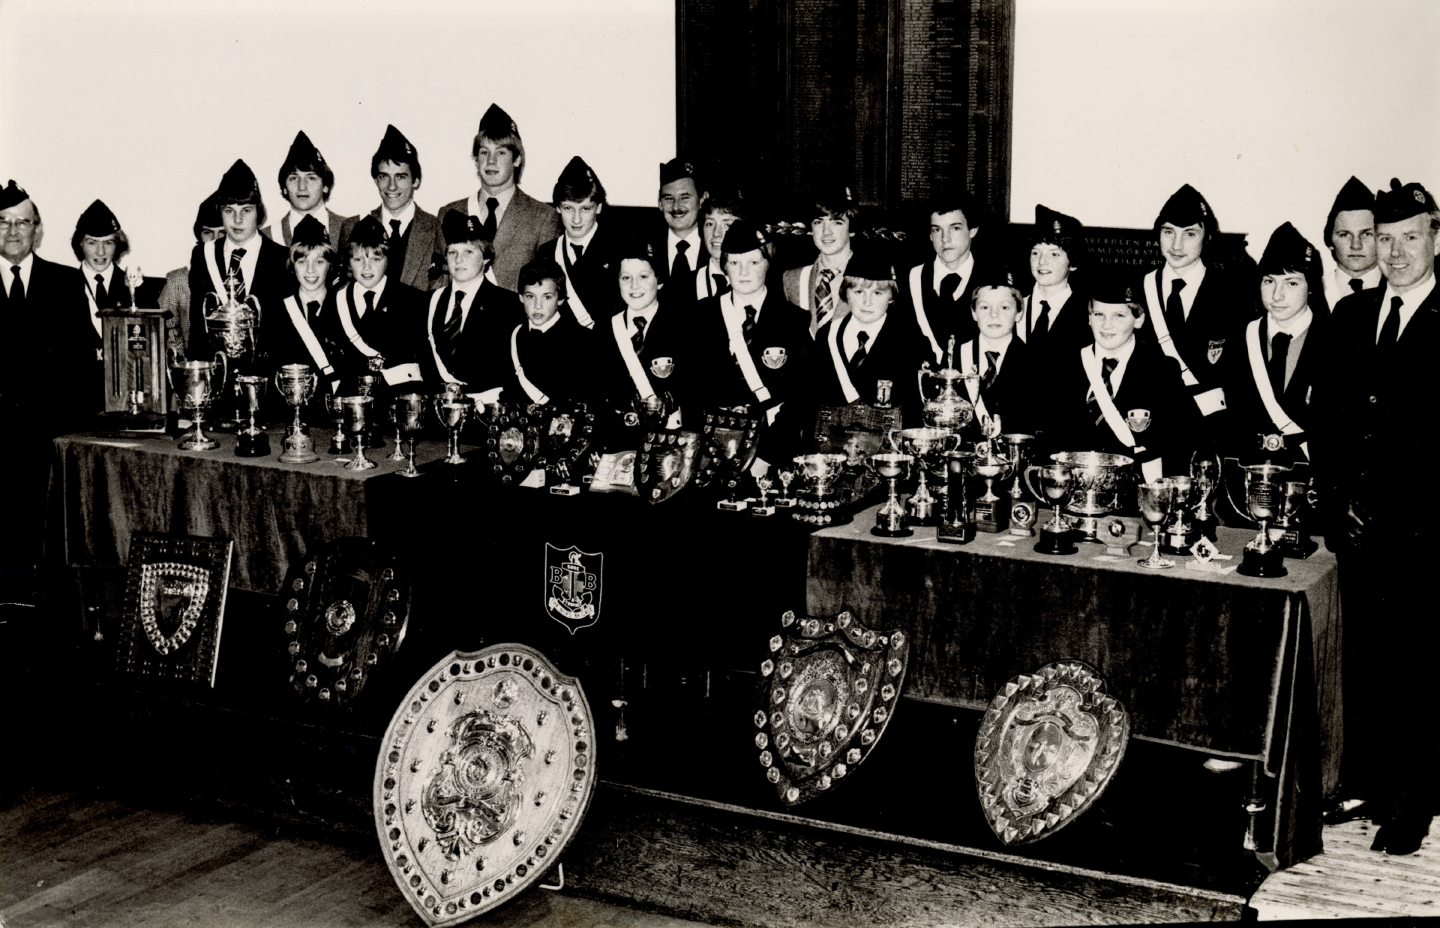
(19, 225)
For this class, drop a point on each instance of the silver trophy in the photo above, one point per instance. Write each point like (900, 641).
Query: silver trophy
(357, 420)
(409, 418)
(890, 521)
(991, 509)
(818, 502)
(1098, 477)
(198, 387)
(927, 445)
(233, 326)
(1022, 509)
(1264, 501)
(1056, 483)
(297, 384)
(251, 441)
(1157, 500)
(452, 409)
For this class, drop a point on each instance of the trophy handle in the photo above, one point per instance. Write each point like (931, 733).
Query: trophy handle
(1242, 511)
(1028, 475)
(224, 372)
(893, 437)
(953, 439)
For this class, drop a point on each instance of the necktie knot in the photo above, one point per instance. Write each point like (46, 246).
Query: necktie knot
(862, 342)
(681, 247)
(237, 254)
(749, 323)
(100, 280)
(1107, 370)
(17, 286)
(1175, 306)
(394, 228)
(237, 274)
(824, 299)
(638, 339)
(721, 284)
(1042, 322)
(680, 267)
(579, 249)
(949, 286)
(1356, 284)
(312, 308)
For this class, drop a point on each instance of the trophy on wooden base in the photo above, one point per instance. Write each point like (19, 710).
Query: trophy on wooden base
(1056, 483)
(957, 522)
(890, 519)
(1294, 514)
(1023, 511)
(135, 367)
(992, 511)
(927, 445)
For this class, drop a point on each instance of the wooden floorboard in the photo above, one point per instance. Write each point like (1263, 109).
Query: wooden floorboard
(1349, 880)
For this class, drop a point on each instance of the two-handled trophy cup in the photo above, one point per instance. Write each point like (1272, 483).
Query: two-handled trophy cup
(234, 328)
(1056, 481)
(365, 385)
(357, 421)
(1179, 534)
(927, 445)
(948, 409)
(957, 522)
(1157, 500)
(251, 441)
(991, 509)
(818, 502)
(297, 384)
(1264, 500)
(452, 409)
(198, 387)
(890, 521)
(1097, 477)
(409, 419)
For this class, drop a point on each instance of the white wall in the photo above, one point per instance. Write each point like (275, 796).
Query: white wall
(128, 101)
(1265, 106)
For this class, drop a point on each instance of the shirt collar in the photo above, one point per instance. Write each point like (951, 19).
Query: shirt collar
(378, 290)
(967, 266)
(547, 326)
(584, 242)
(1121, 354)
(405, 216)
(26, 265)
(1294, 327)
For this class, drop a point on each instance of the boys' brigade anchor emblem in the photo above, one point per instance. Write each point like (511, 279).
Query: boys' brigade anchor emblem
(572, 586)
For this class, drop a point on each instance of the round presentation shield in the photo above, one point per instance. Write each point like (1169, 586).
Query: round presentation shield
(1048, 746)
(484, 775)
(345, 609)
(827, 691)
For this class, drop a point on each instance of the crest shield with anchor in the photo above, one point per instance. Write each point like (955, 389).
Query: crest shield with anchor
(345, 612)
(174, 603)
(1048, 746)
(665, 463)
(484, 776)
(573, 584)
(827, 690)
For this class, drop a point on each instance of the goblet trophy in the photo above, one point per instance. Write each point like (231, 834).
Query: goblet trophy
(250, 441)
(1056, 481)
(297, 384)
(1205, 474)
(1179, 534)
(926, 445)
(890, 517)
(198, 387)
(785, 500)
(452, 409)
(357, 414)
(1264, 498)
(399, 453)
(991, 513)
(957, 522)
(1296, 541)
(337, 414)
(409, 418)
(1157, 500)
(818, 502)
(365, 385)
(1022, 508)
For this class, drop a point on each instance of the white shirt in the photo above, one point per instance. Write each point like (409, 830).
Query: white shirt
(850, 337)
(584, 243)
(550, 324)
(25, 265)
(1194, 276)
(1122, 357)
(967, 266)
(1057, 299)
(1295, 327)
(476, 205)
(469, 288)
(406, 216)
(378, 290)
(648, 314)
(1410, 301)
(247, 261)
(999, 346)
(734, 308)
(691, 253)
(1337, 283)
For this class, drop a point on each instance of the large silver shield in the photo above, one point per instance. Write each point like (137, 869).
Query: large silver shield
(345, 611)
(1048, 746)
(485, 774)
(827, 690)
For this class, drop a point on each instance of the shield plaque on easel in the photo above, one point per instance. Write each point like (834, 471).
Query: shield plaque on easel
(174, 603)
(485, 774)
(345, 611)
(827, 691)
(1048, 746)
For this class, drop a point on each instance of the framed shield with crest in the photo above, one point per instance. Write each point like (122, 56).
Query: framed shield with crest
(729, 443)
(827, 690)
(345, 610)
(175, 589)
(665, 463)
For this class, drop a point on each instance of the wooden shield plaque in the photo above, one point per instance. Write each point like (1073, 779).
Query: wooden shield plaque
(345, 611)
(665, 463)
(566, 431)
(174, 603)
(512, 439)
(1048, 746)
(730, 441)
(827, 691)
(485, 774)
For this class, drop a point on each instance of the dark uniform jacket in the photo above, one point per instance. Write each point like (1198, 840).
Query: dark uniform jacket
(698, 257)
(919, 285)
(271, 283)
(1010, 394)
(1248, 420)
(595, 277)
(417, 259)
(395, 328)
(479, 355)
(894, 353)
(1069, 329)
(46, 336)
(559, 361)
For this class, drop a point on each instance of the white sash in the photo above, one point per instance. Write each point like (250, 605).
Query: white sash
(435, 295)
(917, 298)
(972, 384)
(1261, 376)
(94, 312)
(577, 305)
(1151, 470)
(842, 370)
(344, 307)
(806, 296)
(1210, 401)
(741, 351)
(307, 336)
(217, 273)
(704, 283)
(631, 358)
(532, 391)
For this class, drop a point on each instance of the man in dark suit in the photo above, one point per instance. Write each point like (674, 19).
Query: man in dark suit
(586, 252)
(1119, 394)
(47, 336)
(870, 343)
(1055, 318)
(681, 200)
(1270, 378)
(1196, 306)
(470, 319)
(415, 245)
(751, 347)
(815, 287)
(246, 264)
(306, 180)
(550, 352)
(1372, 403)
(373, 323)
(516, 222)
(939, 289)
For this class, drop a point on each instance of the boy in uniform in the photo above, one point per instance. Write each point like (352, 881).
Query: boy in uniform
(306, 180)
(586, 252)
(815, 287)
